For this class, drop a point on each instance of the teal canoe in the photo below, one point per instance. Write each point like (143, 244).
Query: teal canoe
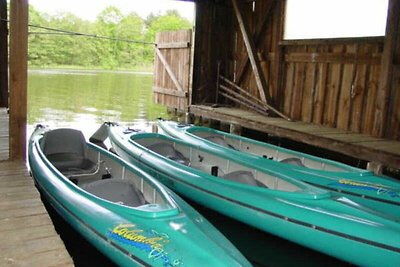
(377, 192)
(124, 212)
(271, 201)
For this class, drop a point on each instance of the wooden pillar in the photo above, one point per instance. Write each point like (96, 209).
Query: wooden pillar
(3, 54)
(386, 73)
(18, 77)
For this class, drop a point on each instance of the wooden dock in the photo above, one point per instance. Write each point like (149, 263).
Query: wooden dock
(27, 234)
(360, 146)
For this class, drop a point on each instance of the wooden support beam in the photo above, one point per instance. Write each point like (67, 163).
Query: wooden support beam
(386, 73)
(255, 64)
(3, 54)
(257, 37)
(18, 77)
(169, 70)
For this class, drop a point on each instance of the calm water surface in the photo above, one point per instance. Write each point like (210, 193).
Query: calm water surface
(84, 100)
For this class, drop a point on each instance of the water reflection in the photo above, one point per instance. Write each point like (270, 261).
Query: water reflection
(84, 99)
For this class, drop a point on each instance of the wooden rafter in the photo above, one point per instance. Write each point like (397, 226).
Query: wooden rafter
(255, 63)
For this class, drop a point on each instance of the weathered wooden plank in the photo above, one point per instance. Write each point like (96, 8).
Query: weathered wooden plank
(15, 212)
(289, 88)
(361, 146)
(320, 92)
(333, 58)
(351, 137)
(9, 204)
(297, 93)
(34, 246)
(173, 45)
(369, 108)
(334, 41)
(308, 92)
(333, 89)
(347, 85)
(23, 234)
(358, 98)
(172, 92)
(45, 258)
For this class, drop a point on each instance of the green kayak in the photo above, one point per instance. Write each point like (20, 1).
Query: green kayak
(126, 214)
(266, 199)
(377, 192)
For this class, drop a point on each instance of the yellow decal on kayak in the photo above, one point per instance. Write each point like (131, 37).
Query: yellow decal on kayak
(147, 240)
(377, 188)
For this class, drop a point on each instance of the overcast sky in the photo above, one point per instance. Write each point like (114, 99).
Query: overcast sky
(88, 9)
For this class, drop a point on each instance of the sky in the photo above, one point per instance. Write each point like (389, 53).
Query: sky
(88, 9)
(335, 18)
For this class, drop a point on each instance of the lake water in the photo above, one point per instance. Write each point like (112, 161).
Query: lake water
(84, 100)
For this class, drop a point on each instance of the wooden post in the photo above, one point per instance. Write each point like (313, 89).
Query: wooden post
(18, 77)
(386, 73)
(3, 54)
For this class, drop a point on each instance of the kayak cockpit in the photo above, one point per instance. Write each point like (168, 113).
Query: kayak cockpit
(66, 150)
(217, 166)
(99, 173)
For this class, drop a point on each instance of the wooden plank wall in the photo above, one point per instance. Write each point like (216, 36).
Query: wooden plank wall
(330, 82)
(175, 48)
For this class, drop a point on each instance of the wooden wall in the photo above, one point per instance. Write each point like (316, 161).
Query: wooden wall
(330, 82)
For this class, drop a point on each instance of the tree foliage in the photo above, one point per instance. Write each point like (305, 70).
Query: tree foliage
(57, 49)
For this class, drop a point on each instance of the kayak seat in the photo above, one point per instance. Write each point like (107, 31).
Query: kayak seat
(293, 161)
(66, 150)
(243, 177)
(117, 191)
(219, 140)
(167, 150)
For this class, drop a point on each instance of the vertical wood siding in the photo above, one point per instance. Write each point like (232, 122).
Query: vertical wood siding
(331, 82)
(177, 55)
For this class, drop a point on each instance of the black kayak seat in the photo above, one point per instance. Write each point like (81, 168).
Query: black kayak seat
(66, 150)
(244, 177)
(219, 140)
(167, 150)
(293, 161)
(117, 191)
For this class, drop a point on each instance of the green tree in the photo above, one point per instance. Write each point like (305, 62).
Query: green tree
(77, 50)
